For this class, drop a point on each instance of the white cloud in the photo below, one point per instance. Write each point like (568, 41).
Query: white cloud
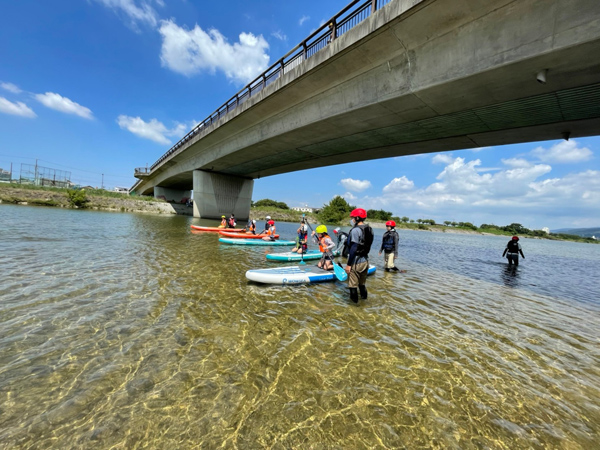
(442, 158)
(349, 196)
(519, 192)
(279, 35)
(134, 12)
(63, 104)
(192, 51)
(355, 185)
(401, 184)
(154, 130)
(16, 109)
(11, 88)
(563, 152)
(303, 19)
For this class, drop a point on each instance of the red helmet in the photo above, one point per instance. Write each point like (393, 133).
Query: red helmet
(390, 223)
(359, 212)
(515, 238)
(271, 222)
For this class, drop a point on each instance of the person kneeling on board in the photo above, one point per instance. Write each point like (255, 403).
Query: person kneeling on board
(326, 245)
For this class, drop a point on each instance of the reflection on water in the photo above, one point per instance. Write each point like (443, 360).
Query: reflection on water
(125, 331)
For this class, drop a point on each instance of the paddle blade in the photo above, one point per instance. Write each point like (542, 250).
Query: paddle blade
(340, 273)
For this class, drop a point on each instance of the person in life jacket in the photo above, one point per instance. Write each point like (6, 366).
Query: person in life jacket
(302, 239)
(360, 240)
(342, 242)
(512, 250)
(326, 245)
(231, 222)
(251, 226)
(267, 219)
(270, 231)
(223, 222)
(389, 245)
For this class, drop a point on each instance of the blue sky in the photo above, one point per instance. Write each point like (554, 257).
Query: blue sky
(99, 87)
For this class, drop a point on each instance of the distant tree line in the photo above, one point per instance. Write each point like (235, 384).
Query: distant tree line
(268, 203)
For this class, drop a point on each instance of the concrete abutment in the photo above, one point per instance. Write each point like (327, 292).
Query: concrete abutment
(216, 195)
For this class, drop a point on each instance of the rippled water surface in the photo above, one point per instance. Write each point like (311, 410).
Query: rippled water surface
(128, 331)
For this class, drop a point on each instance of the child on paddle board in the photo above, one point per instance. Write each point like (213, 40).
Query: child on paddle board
(231, 221)
(223, 222)
(326, 245)
(270, 231)
(389, 246)
(301, 244)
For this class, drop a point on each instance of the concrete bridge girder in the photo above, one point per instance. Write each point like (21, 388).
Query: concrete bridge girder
(388, 87)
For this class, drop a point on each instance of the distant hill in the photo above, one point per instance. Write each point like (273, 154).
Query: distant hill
(583, 232)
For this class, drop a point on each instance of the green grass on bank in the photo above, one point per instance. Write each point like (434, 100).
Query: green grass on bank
(91, 192)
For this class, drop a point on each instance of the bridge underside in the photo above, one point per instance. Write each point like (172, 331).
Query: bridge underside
(419, 76)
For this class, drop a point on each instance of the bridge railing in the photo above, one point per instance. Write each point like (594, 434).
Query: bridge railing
(346, 19)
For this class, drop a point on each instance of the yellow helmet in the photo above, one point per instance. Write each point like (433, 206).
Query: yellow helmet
(222, 217)
(321, 229)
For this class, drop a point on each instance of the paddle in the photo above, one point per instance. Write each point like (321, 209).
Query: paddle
(302, 263)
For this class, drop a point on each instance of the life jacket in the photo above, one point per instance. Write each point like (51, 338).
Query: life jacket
(232, 222)
(513, 246)
(223, 222)
(252, 227)
(389, 241)
(366, 240)
(343, 235)
(271, 231)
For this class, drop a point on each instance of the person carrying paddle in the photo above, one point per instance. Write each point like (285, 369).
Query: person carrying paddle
(389, 245)
(359, 244)
(271, 230)
(302, 239)
(326, 245)
(513, 248)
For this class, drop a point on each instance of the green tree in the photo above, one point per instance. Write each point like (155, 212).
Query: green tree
(77, 198)
(268, 203)
(447, 223)
(336, 211)
(405, 219)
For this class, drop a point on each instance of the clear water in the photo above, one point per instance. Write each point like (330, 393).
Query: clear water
(128, 331)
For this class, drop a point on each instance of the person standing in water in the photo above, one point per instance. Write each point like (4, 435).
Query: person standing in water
(389, 245)
(359, 245)
(512, 250)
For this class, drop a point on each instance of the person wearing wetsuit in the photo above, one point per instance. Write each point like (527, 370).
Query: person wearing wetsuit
(512, 250)
(389, 245)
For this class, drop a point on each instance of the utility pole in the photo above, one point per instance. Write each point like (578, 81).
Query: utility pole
(102, 181)
(35, 181)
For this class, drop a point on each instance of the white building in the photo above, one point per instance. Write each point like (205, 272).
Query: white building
(304, 209)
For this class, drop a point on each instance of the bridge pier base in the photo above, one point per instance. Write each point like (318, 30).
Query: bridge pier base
(216, 195)
(172, 195)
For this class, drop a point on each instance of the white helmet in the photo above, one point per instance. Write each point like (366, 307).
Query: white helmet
(268, 217)
(254, 222)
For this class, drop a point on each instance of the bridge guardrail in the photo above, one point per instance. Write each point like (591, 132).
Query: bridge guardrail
(346, 19)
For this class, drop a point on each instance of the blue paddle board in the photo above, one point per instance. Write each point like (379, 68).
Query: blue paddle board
(292, 256)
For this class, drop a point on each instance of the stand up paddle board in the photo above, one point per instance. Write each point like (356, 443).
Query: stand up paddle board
(294, 275)
(293, 256)
(234, 235)
(254, 242)
(215, 229)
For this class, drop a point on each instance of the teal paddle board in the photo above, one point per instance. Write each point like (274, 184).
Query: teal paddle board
(292, 256)
(254, 242)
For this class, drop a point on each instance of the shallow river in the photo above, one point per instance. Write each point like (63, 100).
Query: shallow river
(128, 331)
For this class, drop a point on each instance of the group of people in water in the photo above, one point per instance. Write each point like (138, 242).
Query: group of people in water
(354, 245)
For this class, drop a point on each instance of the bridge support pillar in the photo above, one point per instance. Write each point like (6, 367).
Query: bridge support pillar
(216, 195)
(172, 195)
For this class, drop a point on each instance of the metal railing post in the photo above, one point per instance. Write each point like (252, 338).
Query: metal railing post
(373, 6)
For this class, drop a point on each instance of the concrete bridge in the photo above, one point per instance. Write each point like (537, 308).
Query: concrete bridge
(413, 76)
